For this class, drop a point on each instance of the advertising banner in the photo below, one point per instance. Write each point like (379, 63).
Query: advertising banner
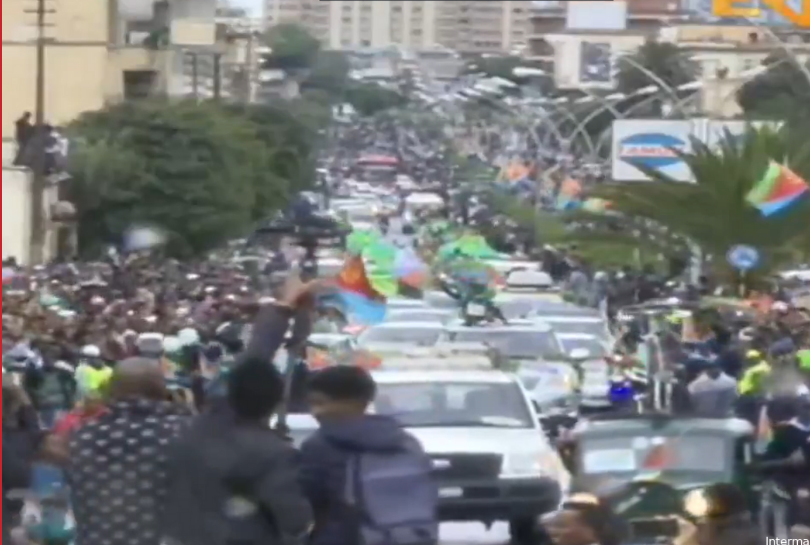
(655, 143)
(651, 143)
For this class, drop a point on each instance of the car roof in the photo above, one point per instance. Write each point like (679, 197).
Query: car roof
(514, 325)
(407, 304)
(563, 319)
(452, 376)
(420, 324)
(575, 336)
(420, 310)
(607, 424)
(326, 338)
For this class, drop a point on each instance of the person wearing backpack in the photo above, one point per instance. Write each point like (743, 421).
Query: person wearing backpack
(368, 480)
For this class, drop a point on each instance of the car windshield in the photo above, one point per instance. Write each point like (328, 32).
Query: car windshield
(593, 345)
(454, 404)
(580, 327)
(520, 344)
(414, 336)
(624, 454)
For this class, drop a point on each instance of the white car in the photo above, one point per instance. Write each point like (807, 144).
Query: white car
(430, 315)
(593, 325)
(517, 340)
(480, 427)
(400, 334)
(592, 350)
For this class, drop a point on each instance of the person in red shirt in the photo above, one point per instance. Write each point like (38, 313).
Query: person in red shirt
(87, 410)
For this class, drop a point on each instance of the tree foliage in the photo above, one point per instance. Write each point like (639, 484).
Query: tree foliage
(782, 91)
(713, 212)
(325, 76)
(664, 59)
(371, 98)
(292, 47)
(203, 172)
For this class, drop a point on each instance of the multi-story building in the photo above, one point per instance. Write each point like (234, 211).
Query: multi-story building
(466, 26)
(98, 52)
(102, 51)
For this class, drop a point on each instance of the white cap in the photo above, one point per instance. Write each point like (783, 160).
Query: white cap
(172, 344)
(91, 351)
(188, 336)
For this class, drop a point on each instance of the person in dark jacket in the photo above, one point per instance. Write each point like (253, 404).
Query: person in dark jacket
(120, 460)
(21, 441)
(339, 398)
(233, 477)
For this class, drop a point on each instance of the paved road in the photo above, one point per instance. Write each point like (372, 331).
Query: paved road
(474, 534)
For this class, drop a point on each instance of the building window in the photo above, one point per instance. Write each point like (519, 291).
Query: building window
(138, 83)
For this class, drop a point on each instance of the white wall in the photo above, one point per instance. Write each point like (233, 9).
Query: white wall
(16, 212)
(17, 208)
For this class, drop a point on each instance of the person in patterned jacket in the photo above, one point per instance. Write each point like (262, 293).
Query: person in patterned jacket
(117, 465)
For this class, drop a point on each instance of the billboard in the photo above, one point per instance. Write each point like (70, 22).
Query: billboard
(651, 143)
(595, 63)
(655, 143)
(796, 12)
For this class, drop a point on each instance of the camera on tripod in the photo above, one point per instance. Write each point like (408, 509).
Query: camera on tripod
(309, 228)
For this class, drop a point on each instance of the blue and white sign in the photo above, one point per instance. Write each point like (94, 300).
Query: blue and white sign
(743, 258)
(650, 144)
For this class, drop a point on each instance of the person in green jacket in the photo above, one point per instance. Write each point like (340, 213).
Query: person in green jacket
(804, 360)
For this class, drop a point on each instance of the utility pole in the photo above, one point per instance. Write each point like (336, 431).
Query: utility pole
(195, 76)
(217, 75)
(39, 218)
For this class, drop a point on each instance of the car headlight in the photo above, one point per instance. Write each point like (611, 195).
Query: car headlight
(521, 465)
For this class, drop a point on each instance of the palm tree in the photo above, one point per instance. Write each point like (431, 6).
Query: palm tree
(664, 59)
(782, 92)
(713, 212)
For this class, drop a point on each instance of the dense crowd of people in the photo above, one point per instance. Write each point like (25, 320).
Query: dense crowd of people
(138, 392)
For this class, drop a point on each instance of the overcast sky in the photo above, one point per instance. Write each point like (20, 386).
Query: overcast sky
(254, 6)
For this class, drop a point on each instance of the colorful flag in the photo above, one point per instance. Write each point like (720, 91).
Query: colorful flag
(410, 270)
(362, 302)
(595, 205)
(778, 189)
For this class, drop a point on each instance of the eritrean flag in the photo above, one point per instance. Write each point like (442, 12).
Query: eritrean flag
(363, 303)
(779, 189)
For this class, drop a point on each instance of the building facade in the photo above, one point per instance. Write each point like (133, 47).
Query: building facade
(466, 26)
(103, 51)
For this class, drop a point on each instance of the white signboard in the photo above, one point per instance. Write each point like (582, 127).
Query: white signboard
(650, 143)
(654, 144)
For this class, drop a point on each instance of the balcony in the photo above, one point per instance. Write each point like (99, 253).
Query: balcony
(136, 10)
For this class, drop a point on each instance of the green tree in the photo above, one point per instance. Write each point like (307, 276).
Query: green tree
(371, 98)
(330, 73)
(781, 92)
(713, 212)
(199, 171)
(292, 47)
(664, 59)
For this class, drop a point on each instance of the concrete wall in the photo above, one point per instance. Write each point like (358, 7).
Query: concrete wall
(16, 213)
(17, 209)
(74, 64)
